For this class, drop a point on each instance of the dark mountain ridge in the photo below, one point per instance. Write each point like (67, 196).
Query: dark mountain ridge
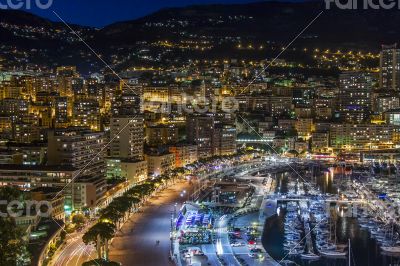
(219, 28)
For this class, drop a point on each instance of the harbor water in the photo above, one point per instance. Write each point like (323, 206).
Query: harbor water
(365, 250)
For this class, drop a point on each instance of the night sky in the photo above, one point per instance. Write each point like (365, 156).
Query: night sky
(103, 12)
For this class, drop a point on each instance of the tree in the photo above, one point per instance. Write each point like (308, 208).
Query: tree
(12, 244)
(121, 205)
(132, 198)
(79, 220)
(110, 214)
(100, 234)
(135, 201)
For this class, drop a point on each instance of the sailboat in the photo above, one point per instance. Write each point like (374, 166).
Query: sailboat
(333, 253)
(309, 256)
(393, 249)
(331, 250)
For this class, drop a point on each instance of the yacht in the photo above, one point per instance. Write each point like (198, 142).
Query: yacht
(391, 249)
(333, 253)
(310, 256)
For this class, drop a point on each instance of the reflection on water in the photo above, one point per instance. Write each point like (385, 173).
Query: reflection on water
(365, 251)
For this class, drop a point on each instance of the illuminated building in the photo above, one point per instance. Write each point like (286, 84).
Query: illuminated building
(212, 133)
(129, 170)
(66, 71)
(80, 149)
(224, 140)
(86, 114)
(161, 135)
(353, 137)
(158, 164)
(78, 86)
(5, 124)
(286, 124)
(280, 105)
(95, 91)
(52, 196)
(184, 154)
(127, 133)
(61, 111)
(77, 194)
(392, 117)
(279, 143)
(354, 99)
(299, 145)
(200, 130)
(32, 154)
(13, 108)
(130, 86)
(385, 103)
(156, 94)
(12, 88)
(304, 127)
(302, 96)
(126, 104)
(303, 112)
(26, 133)
(260, 103)
(319, 141)
(389, 77)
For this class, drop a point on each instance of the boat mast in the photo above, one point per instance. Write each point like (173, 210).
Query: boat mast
(349, 253)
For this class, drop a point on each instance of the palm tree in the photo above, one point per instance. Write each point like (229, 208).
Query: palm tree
(110, 214)
(134, 201)
(122, 205)
(100, 234)
(146, 189)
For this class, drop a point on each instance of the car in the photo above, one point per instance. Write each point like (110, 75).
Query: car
(252, 255)
(198, 253)
(251, 243)
(236, 244)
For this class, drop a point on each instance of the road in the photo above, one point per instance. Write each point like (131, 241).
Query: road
(223, 245)
(129, 247)
(136, 244)
(75, 252)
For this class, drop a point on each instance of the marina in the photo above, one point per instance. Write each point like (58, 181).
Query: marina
(317, 218)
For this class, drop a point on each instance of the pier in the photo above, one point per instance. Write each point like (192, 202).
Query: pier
(305, 216)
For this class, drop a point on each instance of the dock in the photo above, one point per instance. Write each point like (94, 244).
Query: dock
(305, 215)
